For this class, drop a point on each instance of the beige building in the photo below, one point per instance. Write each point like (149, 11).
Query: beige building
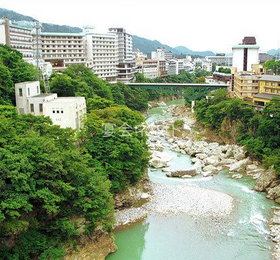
(63, 49)
(150, 69)
(246, 85)
(63, 111)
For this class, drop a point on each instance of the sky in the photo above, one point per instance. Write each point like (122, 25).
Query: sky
(199, 25)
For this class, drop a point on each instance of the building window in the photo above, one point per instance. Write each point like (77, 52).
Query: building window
(41, 108)
(61, 110)
(20, 92)
(37, 89)
(57, 111)
(53, 111)
(32, 108)
(28, 91)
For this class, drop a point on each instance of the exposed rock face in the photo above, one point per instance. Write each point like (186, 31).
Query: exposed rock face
(180, 174)
(133, 195)
(97, 247)
(265, 180)
(275, 232)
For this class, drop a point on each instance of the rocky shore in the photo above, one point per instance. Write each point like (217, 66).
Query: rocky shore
(176, 199)
(208, 158)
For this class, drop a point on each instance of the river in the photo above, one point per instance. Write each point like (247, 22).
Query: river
(243, 236)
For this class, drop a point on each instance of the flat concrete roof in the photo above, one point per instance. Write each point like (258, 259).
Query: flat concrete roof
(245, 46)
(43, 95)
(270, 78)
(266, 96)
(66, 99)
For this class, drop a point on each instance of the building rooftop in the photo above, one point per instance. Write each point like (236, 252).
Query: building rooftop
(270, 78)
(43, 95)
(243, 46)
(81, 34)
(249, 40)
(266, 96)
(66, 99)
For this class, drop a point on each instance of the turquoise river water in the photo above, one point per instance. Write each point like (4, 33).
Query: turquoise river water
(244, 236)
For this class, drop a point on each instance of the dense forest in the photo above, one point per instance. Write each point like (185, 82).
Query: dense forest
(236, 120)
(57, 185)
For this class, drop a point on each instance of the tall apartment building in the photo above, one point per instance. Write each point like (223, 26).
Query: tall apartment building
(246, 54)
(102, 53)
(17, 36)
(124, 44)
(63, 111)
(126, 67)
(63, 49)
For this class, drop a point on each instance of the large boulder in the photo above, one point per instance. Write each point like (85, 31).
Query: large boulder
(210, 168)
(239, 166)
(239, 153)
(198, 166)
(201, 156)
(180, 174)
(274, 194)
(265, 180)
(160, 159)
(212, 160)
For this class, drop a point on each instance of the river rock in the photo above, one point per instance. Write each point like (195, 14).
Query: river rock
(237, 176)
(227, 162)
(239, 153)
(210, 168)
(274, 194)
(198, 166)
(180, 174)
(212, 160)
(160, 159)
(206, 174)
(201, 156)
(251, 167)
(265, 180)
(239, 166)
(187, 177)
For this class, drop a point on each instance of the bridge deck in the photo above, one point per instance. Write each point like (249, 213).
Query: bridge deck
(177, 85)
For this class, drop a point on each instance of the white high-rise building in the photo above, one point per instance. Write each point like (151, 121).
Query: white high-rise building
(124, 44)
(126, 67)
(102, 53)
(245, 55)
(17, 36)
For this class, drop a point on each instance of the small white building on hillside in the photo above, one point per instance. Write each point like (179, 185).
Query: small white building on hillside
(63, 111)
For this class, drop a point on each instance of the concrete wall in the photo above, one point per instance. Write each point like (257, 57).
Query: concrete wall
(2, 34)
(66, 112)
(29, 89)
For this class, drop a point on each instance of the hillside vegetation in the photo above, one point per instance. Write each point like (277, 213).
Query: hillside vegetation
(57, 185)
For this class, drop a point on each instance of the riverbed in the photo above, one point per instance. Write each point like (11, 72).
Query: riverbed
(241, 234)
